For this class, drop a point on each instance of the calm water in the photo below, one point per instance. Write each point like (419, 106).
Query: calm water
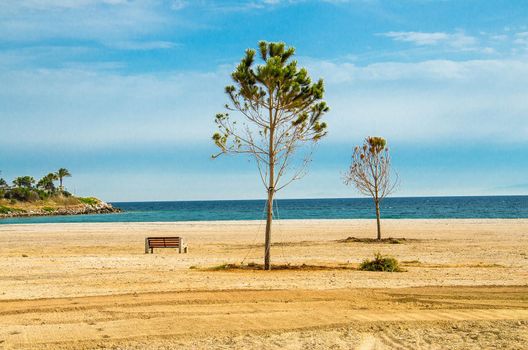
(350, 208)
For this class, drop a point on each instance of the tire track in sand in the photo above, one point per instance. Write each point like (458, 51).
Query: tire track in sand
(89, 320)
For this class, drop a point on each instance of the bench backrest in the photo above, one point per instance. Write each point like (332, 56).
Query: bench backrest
(164, 242)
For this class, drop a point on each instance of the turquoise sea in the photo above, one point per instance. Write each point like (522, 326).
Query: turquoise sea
(333, 208)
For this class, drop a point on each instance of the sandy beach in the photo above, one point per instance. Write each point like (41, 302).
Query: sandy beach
(85, 286)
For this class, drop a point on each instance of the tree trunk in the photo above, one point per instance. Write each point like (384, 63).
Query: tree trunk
(271, 189)
(269, 219)
(378, 219)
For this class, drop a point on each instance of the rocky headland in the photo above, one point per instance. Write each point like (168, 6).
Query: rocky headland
(83, 207)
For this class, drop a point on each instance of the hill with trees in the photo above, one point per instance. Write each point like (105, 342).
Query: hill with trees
(28, 197)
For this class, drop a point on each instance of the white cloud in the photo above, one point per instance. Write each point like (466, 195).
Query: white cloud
(97, 108)
(106, 21)
(501, 44)
(521, 38)
(418, 37)
(458, 40)
(143, 45)
(54, 4)
(103, 20)
(499, 37)
(179, 4)
(430, 101)
(462, 41)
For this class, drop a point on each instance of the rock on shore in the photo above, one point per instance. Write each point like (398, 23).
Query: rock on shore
(79, 209)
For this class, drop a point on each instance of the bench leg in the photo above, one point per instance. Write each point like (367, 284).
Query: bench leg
(146, 246)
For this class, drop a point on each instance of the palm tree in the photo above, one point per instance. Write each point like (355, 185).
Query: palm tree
(46, 183)
(24, 181)
(62, 173)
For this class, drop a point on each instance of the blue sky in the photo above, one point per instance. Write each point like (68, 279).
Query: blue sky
(123, 93)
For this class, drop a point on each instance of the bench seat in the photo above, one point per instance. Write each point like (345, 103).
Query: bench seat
(165, 242)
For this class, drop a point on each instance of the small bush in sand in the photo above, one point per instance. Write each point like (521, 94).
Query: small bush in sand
(381, 263)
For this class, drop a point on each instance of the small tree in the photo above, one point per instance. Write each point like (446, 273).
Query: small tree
(62, 173)
(46, 183)
(280, 110)
(3, 184)
(24, 181)
(370, 172)
(3, 187)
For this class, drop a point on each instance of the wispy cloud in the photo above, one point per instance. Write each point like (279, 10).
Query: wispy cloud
(521, 38)
(143, 45)
(431, 101)
(435, 101)
(418, 37)
(457, 40)
(505, 43)
(104, 20)
(101, 107)
(15, 6)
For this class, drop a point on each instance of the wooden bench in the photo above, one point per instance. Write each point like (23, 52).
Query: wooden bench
(165, 242)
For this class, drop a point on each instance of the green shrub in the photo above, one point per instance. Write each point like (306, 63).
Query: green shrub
(49, 209)
(89, 200)
(23, 194)
(43, 195)
(380, 263)
(7, 210)
(16, 194)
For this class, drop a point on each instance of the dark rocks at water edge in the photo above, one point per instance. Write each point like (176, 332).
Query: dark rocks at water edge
(80, 209)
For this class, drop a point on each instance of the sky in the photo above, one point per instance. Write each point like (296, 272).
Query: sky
(123, 93)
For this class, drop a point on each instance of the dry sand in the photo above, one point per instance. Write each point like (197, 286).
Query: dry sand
(86, 286)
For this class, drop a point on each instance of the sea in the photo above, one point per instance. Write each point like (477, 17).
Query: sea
(503, 207)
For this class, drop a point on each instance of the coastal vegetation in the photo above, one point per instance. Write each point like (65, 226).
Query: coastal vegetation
(28, 197)
(279, 110)
(370, 172)
(26, 189)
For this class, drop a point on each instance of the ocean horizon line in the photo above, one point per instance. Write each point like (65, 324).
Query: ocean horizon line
(319, 198)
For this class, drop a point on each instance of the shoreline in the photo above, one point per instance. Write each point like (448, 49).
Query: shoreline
(276, 222)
